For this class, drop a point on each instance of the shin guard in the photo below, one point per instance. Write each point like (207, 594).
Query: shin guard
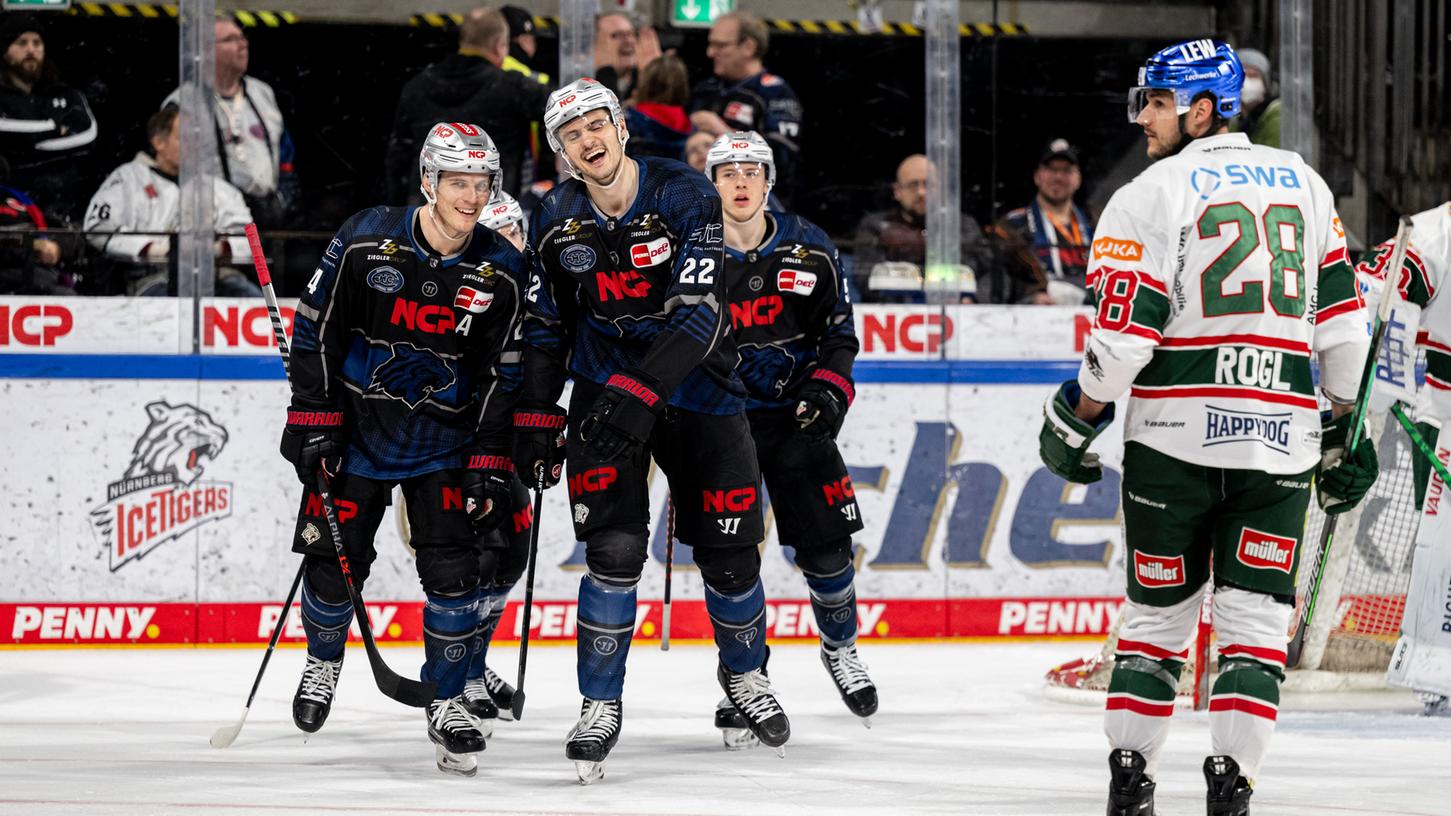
(1152, 650)
(1245, 701)
(833, 602)
(491, 609)
(740, 627)
(605, 628)
(326, 624)
(448, 634)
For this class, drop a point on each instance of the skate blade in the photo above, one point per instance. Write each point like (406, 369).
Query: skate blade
(738, 739)
(456, 764)
(780, 751)
(589, 772)
(867, 723)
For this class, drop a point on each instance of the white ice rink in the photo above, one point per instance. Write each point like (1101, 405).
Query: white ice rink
(963, 730)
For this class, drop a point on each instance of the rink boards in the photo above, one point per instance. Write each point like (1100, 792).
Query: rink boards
(146, 502)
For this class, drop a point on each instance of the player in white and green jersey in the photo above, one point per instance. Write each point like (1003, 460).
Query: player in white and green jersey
(1219, 271)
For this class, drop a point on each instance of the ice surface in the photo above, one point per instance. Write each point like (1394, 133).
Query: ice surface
(962, 730)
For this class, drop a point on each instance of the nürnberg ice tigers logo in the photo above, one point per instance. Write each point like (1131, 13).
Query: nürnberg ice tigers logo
(411, 374)
(181, 440)
(765, 370)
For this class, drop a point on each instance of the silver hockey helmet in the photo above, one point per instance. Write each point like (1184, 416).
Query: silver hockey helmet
(575, 100)
(501, 212)
(741, 146)
(461, 148)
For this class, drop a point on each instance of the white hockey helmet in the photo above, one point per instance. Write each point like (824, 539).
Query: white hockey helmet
(461, 148)
(575, 100)
(741, 146)
(501, 212)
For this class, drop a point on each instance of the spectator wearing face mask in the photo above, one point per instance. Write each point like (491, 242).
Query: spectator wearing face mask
(1259, 100)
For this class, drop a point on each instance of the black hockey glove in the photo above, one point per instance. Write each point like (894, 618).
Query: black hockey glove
(539, 443)
(487, 483)
(1063, 442)
(314, 437)
(622, 417)
(1342, 481)
(822, 402)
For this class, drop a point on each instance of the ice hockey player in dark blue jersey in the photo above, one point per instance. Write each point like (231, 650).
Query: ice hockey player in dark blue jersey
(628, 296)
(791, 317)
(405, 370)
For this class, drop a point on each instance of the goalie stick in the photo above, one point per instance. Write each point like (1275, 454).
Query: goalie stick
(1357, 424)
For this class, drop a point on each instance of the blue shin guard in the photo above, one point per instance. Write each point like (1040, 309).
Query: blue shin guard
(833, 601)
(740, 627)
(326, 624)
(449, 625)
(491, 609)
(606, 627)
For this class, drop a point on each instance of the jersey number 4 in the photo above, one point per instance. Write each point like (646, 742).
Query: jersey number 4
(1284, 238)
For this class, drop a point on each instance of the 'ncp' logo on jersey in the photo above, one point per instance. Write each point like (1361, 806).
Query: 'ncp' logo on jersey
(1118, 249)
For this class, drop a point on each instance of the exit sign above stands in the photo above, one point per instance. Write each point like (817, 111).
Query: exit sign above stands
(698, 13)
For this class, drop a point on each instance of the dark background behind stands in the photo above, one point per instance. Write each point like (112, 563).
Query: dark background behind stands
(863, 99)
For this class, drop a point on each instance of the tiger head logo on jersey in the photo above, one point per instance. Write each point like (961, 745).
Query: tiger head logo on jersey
(411, 375)
(162, 495)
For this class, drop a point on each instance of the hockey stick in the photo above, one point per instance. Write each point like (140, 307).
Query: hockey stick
(227, 734)
(1357, 422)
(408, 692)
(517, 704)
(1420, 443)
(669, 560)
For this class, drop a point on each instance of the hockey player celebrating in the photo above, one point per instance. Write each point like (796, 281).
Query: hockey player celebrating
(792, 321)
(506, 217)
(1219, 271)
(400, 376)
(628, 289)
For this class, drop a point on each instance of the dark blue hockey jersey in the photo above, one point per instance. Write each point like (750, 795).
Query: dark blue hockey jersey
(420, 351)
(763, 103)
(644, 291)
(790, 311)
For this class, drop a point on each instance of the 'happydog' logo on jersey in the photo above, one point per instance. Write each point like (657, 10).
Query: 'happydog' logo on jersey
(1155, 571)
(162, 496)
(1224, 427)
(411, 375)
(1262, 550)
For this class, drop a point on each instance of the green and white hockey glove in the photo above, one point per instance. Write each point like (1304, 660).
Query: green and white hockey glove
(1063, 442)
(1341, 481)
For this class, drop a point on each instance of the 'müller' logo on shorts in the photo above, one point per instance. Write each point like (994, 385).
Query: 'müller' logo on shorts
(1154, 571)
(1262, 550)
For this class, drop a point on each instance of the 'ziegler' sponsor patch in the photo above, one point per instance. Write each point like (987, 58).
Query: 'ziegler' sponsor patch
(1261, 550)
(1224, 427)
(1156, 571)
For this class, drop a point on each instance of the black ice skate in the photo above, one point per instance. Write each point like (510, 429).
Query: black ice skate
(501, 693)
(1130, 791)
(314, 697)
(456, 737)
(1228, 791)
(849, 674)
(751, 693)
(480, 705)
(590, 740)
(734, 731)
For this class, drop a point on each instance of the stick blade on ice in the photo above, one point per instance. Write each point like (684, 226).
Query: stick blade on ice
(226, 735)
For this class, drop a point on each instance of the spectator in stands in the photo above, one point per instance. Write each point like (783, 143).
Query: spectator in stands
(46, 127)
(1259, 100)
(30, 260)
(522, 44)
(655, 116)
(254, 150)
(621, 48)
(1054, 230)
(896, 239)
(133, 218)
(467, 86)
(742, 96)
(697, 147)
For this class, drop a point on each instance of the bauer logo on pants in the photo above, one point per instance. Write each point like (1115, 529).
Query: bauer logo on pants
(1155, 571)
(161, 496)
(1262, 550)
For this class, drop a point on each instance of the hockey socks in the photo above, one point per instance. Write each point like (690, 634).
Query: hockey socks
(605, 628)
(1245, 699)
(448, 633)
(739, 623)
(833, 601)
(1151, 654)
(491, 609)
(326, 624)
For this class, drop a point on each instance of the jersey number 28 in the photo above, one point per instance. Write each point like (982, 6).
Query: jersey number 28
(1284, 234)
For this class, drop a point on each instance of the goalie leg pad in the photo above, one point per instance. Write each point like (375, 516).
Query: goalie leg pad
(1250, 628)
(1152, 650)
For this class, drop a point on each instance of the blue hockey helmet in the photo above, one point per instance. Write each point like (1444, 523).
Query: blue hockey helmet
(1188, 69)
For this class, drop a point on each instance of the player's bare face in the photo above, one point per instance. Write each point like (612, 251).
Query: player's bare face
(742, 188)
(592, 145)
(1160, 121)
(461, 197)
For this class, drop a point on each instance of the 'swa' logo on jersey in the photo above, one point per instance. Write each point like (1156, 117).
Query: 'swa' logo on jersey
(1205, 182)
(162, 496)
(411, 375)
